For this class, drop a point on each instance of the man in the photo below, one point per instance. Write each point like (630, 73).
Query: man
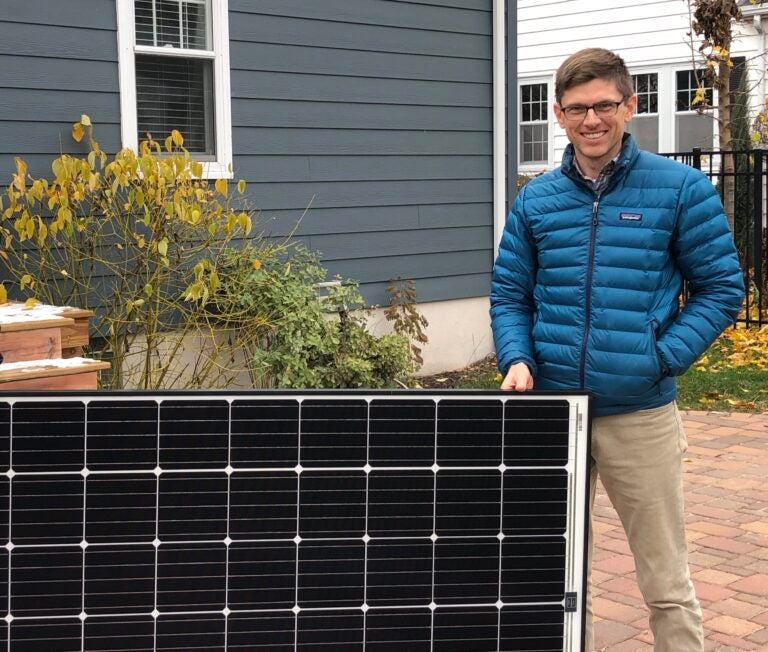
(585, 297)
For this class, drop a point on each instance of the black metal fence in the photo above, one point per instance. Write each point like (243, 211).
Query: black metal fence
(747, 201)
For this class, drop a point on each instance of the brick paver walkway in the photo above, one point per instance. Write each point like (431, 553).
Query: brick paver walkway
(726, 491)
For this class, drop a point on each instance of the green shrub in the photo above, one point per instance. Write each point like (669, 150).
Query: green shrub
(307, 340)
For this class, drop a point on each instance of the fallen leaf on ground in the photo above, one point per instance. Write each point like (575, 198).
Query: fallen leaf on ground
(749, 405)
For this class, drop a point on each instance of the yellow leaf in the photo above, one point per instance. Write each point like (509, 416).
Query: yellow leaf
(162, 247)
(64, 215)
(77, 131)
(256, 264)
(85, 120)
(244, 222)
(21, 167)
(178, 139)
(699, 97)
(3, 294)
(221, 186)
(31, 303)
(748, 405)
(241, 186)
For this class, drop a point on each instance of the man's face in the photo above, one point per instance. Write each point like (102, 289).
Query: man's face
(596, 138)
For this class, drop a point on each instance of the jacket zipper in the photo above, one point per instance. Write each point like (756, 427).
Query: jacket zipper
(588, 296)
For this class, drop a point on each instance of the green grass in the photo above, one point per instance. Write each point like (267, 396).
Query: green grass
(723, 388)
(484, 381)
(719, 387)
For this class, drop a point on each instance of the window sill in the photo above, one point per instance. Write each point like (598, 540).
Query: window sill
(217, 170)
(533, 168)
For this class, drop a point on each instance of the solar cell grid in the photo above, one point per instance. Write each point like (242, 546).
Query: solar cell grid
(287, 522)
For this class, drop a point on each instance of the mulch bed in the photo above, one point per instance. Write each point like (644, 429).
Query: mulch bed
(460, 377)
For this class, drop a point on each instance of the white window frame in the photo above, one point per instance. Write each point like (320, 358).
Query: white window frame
(221, 167)
(526, 168)
(661, 101)
(639, 73)
(711, 113)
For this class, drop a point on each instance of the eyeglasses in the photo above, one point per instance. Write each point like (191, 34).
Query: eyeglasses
(602, 109)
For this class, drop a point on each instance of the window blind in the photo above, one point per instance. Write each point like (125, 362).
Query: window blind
(172, 23)
(176, 93)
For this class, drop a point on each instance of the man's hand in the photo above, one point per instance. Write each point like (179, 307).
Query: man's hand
(518, 378)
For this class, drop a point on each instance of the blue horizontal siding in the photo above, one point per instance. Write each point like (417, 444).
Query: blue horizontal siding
(55, 64)
(278, 57)
(301, 32)
(91, 14)
(411, 15)
(277, 169)
(310, 220)
(377, 114)
(58, 42)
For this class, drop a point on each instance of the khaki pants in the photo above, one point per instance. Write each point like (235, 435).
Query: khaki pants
(638, 457)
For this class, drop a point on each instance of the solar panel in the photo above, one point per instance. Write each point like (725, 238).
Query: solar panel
(378, 522)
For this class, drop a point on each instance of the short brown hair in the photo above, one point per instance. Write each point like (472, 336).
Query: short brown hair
(593, 63)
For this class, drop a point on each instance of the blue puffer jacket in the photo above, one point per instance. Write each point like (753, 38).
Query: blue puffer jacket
(585, 289)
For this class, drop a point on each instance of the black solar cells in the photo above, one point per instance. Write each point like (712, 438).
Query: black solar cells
(400, 522)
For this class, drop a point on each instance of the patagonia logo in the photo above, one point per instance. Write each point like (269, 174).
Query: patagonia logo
(631, 217)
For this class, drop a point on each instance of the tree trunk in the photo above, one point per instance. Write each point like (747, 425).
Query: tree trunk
(727, 163)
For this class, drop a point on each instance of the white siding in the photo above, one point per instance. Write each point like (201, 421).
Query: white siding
(649, 36)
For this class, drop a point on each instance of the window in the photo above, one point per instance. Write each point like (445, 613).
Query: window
(534, 124)
(691, 128)
(174, 74)
(645, 125)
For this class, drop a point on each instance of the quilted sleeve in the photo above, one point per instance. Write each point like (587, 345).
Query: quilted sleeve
(705, 254)
(512, 292)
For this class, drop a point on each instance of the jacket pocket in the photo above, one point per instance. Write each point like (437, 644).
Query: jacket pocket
(644, 382)
(661, 368)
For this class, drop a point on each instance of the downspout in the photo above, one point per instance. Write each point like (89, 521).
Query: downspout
(499, 124)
